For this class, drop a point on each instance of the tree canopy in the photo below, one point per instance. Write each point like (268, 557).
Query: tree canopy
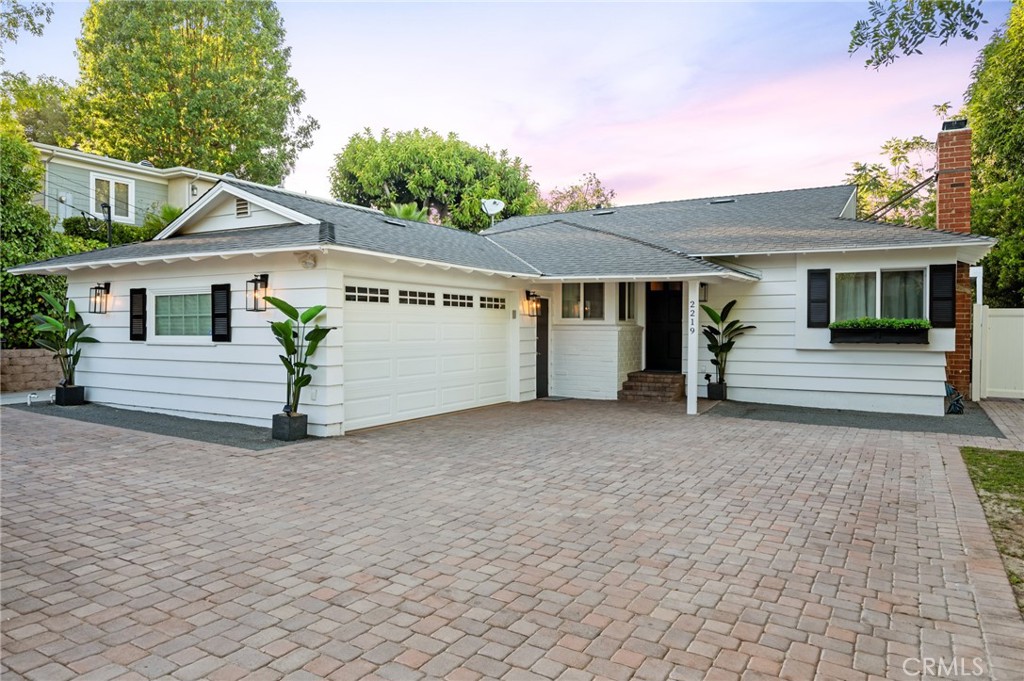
(897, 29)
(202, 83)
(910, 162)
(995, 110)
(40, 106)
(444, 174)
(587, 194)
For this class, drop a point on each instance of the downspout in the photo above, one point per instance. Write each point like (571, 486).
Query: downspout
(46, 183)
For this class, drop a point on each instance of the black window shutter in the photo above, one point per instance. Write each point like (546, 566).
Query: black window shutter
(819, 283)
(220, 295)
(942, 296)
(137, 314)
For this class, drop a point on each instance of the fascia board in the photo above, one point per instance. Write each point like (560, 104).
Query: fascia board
(972, 242)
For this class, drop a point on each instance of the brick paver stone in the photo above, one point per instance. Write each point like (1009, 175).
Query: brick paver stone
(544, 540)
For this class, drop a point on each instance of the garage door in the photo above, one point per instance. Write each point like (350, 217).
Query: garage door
(413, 351)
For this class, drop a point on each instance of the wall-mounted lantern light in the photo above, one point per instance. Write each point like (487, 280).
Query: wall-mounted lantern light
(255, 293)
(99, 295)
(531, 308)
(702, 292)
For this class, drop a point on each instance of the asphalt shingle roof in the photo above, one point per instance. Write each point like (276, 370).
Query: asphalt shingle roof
(773, 222)
(370, 230)
(659, 239)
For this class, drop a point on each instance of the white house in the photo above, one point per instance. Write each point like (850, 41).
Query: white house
(430, 319)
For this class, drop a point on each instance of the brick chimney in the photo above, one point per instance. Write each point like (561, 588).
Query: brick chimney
(953, 214)
(953, 165)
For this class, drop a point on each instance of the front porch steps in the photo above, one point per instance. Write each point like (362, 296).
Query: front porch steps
(653, 386)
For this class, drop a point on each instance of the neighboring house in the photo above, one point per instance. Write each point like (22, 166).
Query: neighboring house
(76, 183)
(431, 319)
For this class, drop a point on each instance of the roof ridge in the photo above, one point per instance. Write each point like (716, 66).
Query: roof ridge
(522, 260)
(695, 198)
(642, 242)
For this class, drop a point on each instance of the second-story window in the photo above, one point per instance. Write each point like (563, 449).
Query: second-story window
(118, 192)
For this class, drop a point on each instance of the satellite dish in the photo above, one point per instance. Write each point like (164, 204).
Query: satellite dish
(492, 206)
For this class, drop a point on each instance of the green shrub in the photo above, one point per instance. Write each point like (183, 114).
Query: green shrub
(93, 229)
(882, 323)
(26, 235)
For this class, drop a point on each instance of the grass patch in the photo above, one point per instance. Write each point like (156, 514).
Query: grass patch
(998, 477)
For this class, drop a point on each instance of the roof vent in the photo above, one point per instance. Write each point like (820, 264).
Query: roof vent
(242, 208)
(958, 124)
(146, 164)
(603, 212)
(715, 202)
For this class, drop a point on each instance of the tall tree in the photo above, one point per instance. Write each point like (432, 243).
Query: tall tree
(16, 17)
(587, 194)
(202, 83)
(444, 174)
(995, 110)
(897, 29)
(40, 106)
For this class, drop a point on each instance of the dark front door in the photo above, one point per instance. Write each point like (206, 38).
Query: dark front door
(664, 326)
(542, 349)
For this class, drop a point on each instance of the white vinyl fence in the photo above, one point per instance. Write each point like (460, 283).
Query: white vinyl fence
(998, 356)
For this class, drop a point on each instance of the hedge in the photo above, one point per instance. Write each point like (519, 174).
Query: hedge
(96, 230)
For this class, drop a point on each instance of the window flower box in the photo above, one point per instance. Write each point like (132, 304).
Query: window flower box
(869, 330)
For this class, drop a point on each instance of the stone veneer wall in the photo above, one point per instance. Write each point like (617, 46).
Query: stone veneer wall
(32, 369)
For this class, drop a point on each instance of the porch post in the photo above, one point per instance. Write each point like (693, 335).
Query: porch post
(692, 316)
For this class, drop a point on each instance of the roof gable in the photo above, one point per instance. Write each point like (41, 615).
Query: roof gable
(228, 207)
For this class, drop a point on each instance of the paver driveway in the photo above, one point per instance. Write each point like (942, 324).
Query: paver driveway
(545, 540)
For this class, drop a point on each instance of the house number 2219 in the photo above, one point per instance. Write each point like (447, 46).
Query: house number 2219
(693, 318)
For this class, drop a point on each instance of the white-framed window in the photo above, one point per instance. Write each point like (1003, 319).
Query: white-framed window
(119, 192)
(627, 301)
(898, 294)
(583, 301)
(183, 314)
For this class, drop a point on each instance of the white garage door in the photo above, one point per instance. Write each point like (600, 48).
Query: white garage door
(413, 351)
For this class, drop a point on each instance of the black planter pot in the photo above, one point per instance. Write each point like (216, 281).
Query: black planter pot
(901, 336)
(69, 395)
(289, 426)
(716, 391)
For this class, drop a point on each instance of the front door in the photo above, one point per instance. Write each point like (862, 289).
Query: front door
(542, 349)
(664, 326)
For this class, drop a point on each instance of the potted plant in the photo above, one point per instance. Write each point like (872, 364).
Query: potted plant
(721, 335)
(880, 330)
(61, 332)
(299, 344)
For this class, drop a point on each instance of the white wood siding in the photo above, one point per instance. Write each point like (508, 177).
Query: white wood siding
(784, 362)
(240, 381)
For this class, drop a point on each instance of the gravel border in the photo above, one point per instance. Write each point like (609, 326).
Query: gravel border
(239, 435)
(973, 422)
